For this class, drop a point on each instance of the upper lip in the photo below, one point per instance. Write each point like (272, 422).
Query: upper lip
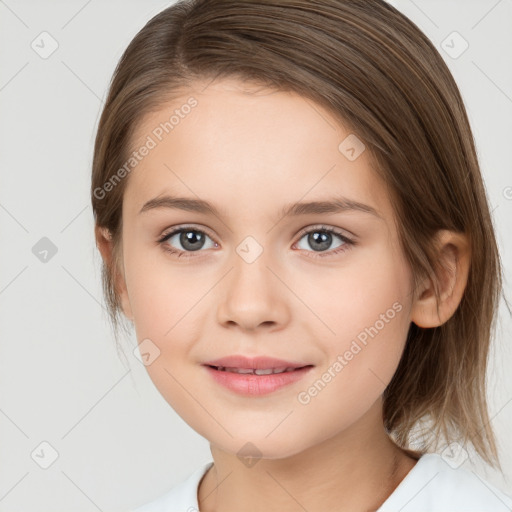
(256, 363)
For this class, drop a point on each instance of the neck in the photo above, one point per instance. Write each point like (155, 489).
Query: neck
(358, 469)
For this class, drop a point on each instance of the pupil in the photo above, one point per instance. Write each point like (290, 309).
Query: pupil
(191, 240)
(325, 239)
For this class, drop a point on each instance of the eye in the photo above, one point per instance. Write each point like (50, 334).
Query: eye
(321, 238)
(193, 240)
(190, 239)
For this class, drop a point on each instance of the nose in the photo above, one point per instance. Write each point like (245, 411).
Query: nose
(253, 296)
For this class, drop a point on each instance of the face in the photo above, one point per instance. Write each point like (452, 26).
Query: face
(324, 287)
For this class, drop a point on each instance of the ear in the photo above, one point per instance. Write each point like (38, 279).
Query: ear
(454, 255)
(105, 245)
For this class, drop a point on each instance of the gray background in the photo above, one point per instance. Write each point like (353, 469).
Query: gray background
(118, 442)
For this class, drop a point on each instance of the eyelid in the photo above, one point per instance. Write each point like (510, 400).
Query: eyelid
(339, 231)
(180, 227)
(321, 227)
(349, 241)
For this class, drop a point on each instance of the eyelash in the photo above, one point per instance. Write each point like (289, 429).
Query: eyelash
(348, 243)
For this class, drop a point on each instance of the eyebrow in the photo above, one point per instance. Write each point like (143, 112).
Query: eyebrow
(334, 205)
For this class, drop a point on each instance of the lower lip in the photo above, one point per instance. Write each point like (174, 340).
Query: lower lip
(252, 385)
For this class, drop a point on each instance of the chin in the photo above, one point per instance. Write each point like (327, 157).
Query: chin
(250, 449)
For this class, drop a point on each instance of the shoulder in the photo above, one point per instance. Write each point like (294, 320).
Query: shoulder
(433, 485)
(181, 498)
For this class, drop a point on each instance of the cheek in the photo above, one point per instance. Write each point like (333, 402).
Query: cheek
(372, 288)
(161, 293)
(364, 309)
(360, 362)
(166, 302)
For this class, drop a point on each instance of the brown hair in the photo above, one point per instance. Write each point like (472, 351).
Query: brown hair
(381, 76)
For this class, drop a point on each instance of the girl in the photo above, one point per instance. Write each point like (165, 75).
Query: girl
(290, 211)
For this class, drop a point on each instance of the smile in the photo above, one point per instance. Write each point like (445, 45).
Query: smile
(254, 382)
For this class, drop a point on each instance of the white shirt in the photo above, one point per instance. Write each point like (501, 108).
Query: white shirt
(432, 485)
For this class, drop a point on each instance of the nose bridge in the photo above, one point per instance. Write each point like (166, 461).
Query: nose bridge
(251, 277)
(253, 295)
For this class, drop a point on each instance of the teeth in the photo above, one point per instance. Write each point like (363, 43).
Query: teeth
(256, 372)
(264, 372)
(239, 370)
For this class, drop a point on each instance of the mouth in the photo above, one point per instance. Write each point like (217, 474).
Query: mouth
(254, 371)
(253, 382)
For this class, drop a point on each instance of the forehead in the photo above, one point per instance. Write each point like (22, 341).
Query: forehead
(249, 147)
